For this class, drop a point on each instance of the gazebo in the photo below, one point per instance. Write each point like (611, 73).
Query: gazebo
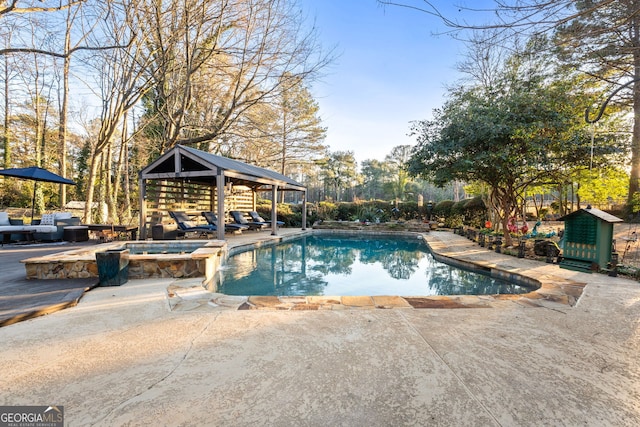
(187, 175)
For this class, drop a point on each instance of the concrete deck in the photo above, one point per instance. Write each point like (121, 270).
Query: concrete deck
(126, 356)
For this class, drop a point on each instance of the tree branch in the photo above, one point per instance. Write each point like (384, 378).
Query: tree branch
(12, 8)
(9, 51)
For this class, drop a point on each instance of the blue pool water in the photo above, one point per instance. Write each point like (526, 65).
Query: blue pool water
(178, 247)
(345, 265)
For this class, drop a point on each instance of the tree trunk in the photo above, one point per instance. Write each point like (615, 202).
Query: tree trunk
(91, 186)
(38, 202)
(117, 179)
(634, 181)
(109, 197)
(7, 114)
(535, 204)
(62, 130)
(505, 202)
(283, 162)
(127, 186)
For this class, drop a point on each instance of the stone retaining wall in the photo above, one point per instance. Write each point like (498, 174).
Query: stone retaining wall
(202, 262)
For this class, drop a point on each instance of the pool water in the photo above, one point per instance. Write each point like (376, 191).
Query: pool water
(179, 247)
(345, 265)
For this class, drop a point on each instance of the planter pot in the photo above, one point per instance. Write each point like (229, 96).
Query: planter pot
(113, 267)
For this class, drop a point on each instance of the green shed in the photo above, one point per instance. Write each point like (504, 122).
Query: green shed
(587, 240)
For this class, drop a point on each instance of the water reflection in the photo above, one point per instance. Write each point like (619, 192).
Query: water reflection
(329, 265)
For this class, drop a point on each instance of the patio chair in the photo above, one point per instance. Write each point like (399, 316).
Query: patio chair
(212, 219)
(188, 226)
(255, 217)
(240, 219)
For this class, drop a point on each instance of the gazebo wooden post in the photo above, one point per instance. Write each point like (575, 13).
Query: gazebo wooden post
(304, 210)
(220, 199)
(274, 210)
(142, 185)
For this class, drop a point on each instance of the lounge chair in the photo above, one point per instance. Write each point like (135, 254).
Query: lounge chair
(255, 217)
(240, 219)
(212, 219)
(188, 226)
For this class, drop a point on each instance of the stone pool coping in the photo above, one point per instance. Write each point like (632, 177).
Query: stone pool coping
(445, 246)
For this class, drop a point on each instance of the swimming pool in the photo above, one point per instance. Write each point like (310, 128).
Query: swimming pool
(343, 265)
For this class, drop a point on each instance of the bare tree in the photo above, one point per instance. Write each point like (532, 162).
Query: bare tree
(8, 74)
(482, 61)
(124, 79)
(33, 28)
(216, 60)
(63, 95)
(283, 134)
(12, 7)
(599, 38)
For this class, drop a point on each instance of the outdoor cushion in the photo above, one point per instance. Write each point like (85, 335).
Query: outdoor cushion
(41, 228)
(34, 228)
(48, 219)
(4, 218)
(62, 215)
(188, 224)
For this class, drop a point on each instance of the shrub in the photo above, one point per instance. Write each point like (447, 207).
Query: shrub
(443, 208)
(458, 207)
(475, 212)
(346, 211)
(326, 210)
(289, 214)
(411, 210)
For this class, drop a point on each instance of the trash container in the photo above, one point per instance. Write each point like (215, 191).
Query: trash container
(113, 266)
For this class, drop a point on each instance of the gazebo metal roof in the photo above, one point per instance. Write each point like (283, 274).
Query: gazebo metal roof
(199, 166)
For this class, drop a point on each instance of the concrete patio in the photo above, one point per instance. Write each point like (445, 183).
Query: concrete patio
(126, 356)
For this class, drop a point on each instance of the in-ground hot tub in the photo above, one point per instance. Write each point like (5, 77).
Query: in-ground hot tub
(147, 259)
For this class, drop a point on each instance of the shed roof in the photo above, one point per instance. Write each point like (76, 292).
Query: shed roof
(602, 215)
(183, 162)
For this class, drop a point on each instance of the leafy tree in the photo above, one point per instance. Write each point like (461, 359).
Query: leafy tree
(536, 194)
(520, 134)
(374, 174)
(285, 135)
(603, 41)
(597, 186)
(298, 130)
(397, 164)
(339, 171)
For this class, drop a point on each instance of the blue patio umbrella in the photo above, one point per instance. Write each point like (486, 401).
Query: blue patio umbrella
(35, 173)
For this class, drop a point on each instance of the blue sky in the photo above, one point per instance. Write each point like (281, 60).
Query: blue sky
(391, 69)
